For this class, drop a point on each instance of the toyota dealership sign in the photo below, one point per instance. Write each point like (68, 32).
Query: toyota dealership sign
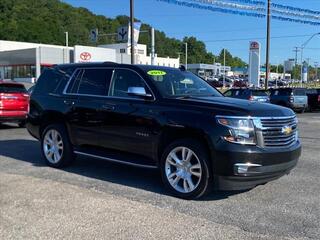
(83, 54)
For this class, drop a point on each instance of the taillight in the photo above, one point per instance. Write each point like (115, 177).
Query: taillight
(291, 99)
(250, 98)
(318, 98)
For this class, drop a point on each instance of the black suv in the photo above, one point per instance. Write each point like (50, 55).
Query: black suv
(313, 99)
(166, 118)
(294, 98)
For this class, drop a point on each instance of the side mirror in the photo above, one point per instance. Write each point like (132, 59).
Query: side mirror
(139, 92)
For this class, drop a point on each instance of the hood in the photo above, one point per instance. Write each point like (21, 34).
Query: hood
(239, 107)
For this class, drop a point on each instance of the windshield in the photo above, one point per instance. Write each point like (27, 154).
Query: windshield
(177, 83)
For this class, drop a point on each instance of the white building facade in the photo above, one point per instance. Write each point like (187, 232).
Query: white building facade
(25, 61)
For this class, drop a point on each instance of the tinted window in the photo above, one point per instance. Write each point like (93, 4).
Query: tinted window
(281, 92)
(12, 88)
(299, 92)
(95, 81)
(228, 93)
(122, 80)
(75, 81)
(259, 93)
(49, 81)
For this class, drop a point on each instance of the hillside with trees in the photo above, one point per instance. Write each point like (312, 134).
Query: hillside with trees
(45, 21)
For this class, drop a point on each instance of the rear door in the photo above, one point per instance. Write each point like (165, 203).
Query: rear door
(87, 94)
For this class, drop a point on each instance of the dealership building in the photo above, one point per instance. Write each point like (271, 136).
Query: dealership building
(21, 61)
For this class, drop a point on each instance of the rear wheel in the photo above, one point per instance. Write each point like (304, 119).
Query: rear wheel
(56, 147)
(185, 169)
(22, 124)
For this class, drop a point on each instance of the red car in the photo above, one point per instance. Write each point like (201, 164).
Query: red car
(14, 103)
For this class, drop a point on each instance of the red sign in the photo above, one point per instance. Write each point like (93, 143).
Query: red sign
(85, 56)
(254, 45)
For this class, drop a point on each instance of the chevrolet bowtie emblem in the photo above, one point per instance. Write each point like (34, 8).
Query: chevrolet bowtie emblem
(286, 130)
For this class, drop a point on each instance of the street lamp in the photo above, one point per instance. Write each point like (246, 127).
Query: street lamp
(302, 48)
(186, 55)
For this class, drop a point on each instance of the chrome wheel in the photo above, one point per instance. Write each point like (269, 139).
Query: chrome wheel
(183, 169)
(53, 146)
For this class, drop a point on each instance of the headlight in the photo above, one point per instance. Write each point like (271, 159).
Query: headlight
(241, 130)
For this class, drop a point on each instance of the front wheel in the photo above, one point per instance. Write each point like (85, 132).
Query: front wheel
(185, 169)
(56, 147)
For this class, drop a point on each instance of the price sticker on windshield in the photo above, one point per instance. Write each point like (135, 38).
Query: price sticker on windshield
(156, 73)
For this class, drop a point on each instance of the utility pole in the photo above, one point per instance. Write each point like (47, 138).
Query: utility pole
(268, 45)
(186, 55)
(224, 67)
(296, 50)
(132, 31)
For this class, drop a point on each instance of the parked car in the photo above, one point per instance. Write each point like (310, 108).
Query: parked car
(313, 99)
(294, 98)
(165, 118)
(215, 84)
(14, 103)
(249, 94)
(240, 84)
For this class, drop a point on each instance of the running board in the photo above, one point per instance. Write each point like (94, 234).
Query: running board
(116, 160)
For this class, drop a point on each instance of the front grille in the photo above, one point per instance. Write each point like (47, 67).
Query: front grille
(279, 132)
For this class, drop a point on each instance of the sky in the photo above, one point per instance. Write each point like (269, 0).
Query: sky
(219, 30)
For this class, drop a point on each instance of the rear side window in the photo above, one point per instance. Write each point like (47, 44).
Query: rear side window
(281, 92)
(12, 88)
(299, 92)
(49, 81)
(95, 81)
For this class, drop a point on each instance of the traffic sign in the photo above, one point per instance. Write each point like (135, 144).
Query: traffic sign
(123, 34)
(94, 33)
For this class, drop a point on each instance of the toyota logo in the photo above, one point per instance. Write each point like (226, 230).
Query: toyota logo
(85, 56)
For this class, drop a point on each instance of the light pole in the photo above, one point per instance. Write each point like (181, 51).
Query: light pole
(302, 48)
(268, 45)
(67, 45)
(186, 45)
(132, 30)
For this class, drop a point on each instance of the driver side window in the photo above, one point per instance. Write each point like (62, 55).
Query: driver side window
(122, 80)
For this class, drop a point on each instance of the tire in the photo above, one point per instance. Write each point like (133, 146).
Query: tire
(62, 153)
(22, 124)
(177, 177)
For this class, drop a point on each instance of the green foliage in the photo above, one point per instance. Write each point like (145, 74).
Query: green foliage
(45, 21)
(230, 60)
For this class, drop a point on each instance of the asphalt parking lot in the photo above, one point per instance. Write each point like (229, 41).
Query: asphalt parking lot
(94, 199)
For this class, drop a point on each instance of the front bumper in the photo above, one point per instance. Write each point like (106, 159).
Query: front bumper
(238, 167)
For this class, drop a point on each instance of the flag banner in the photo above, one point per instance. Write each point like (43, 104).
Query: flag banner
(274, 5)
(296, 14)
(303, 16)
(261, 3)
(231, 5)
(136, 26)
(213, 9)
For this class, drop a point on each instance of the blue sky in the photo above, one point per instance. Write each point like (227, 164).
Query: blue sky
(218, 30)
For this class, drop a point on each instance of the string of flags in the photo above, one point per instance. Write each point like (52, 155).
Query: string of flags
(253, 8)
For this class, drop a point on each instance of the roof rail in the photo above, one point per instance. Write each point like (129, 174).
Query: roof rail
(108, 62)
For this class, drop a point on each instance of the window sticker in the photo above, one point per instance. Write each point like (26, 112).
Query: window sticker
(156, 73)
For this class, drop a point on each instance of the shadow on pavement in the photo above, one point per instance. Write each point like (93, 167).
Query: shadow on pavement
(146, 179)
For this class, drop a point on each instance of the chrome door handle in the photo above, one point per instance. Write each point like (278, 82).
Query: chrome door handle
(108, 107)
(68, 102)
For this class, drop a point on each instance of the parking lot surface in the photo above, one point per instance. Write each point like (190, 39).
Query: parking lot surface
(93, 199)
